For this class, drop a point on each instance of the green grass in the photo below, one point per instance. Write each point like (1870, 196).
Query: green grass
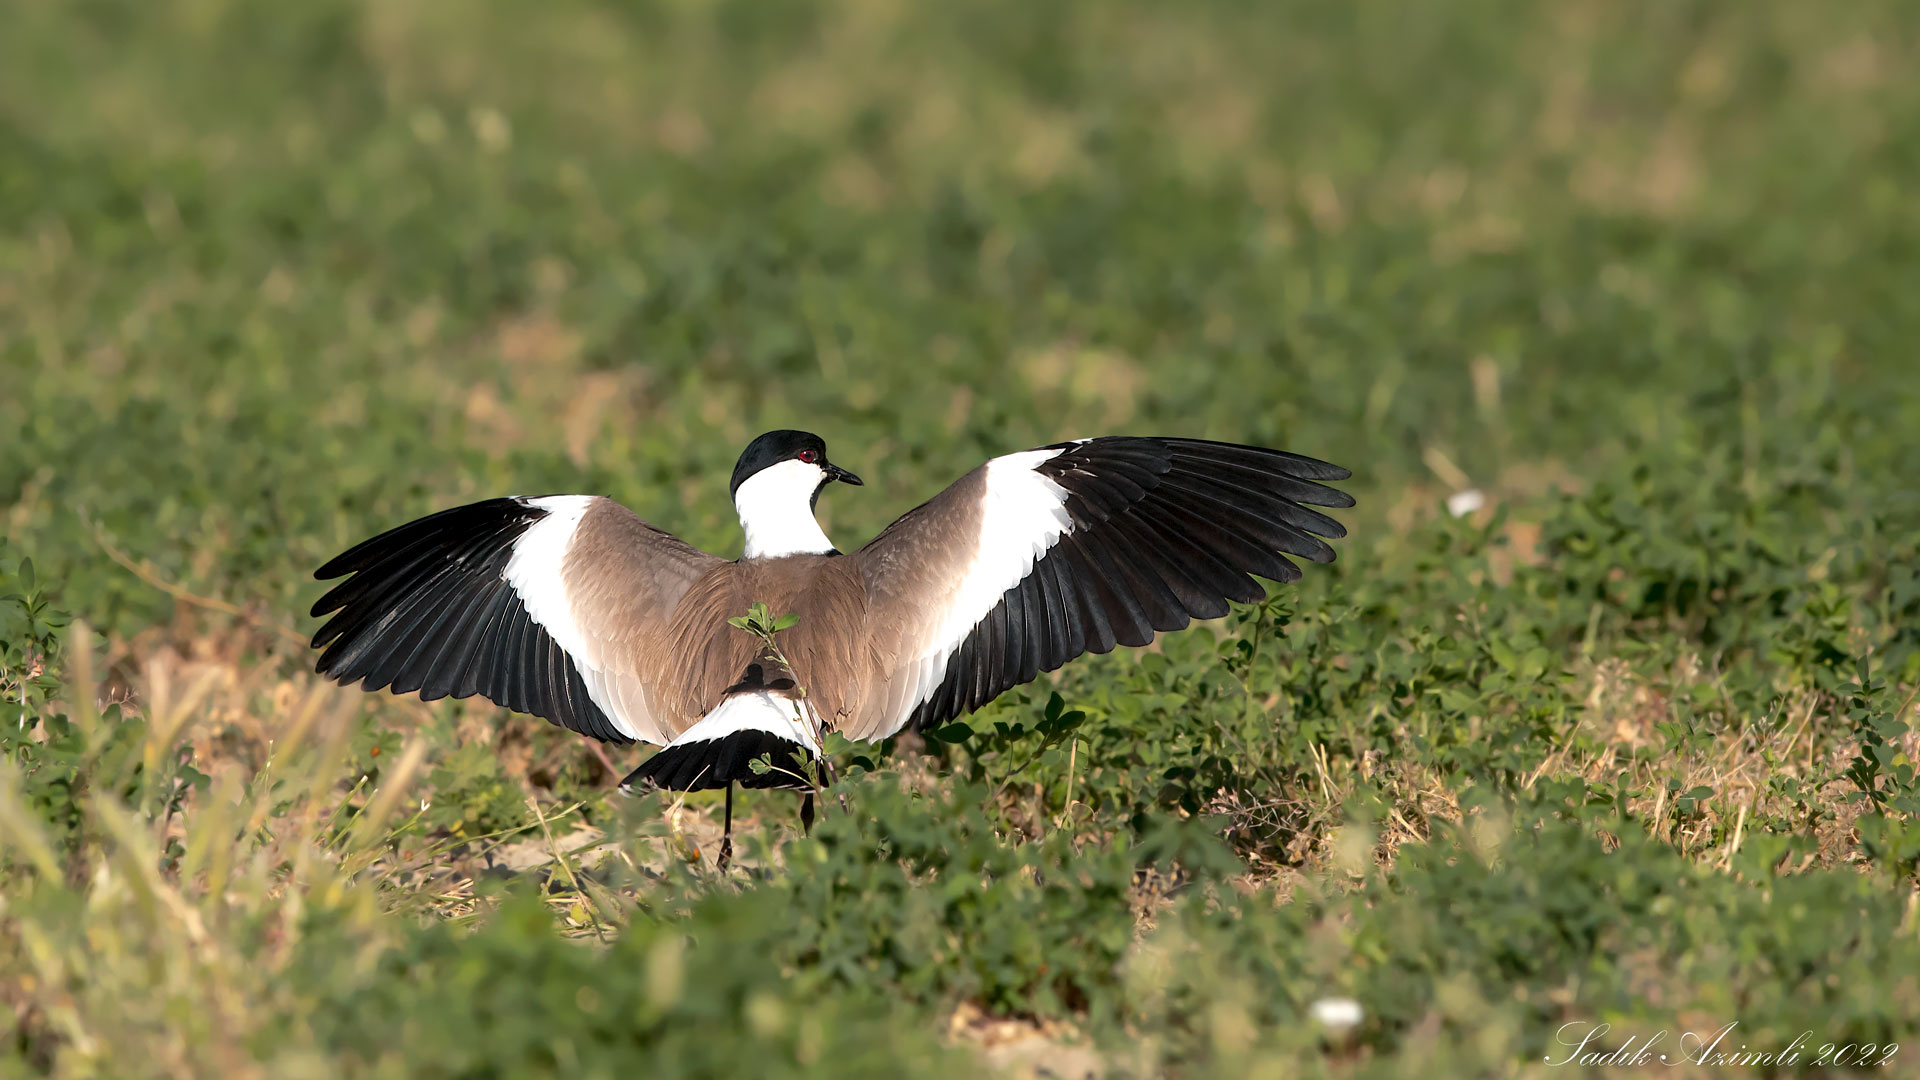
(1629, 745)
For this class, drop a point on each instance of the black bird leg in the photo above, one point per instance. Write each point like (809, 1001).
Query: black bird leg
(806, 813)
(726, 835)
(833, 781)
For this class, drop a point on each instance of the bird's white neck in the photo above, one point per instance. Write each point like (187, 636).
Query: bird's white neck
(776, 511)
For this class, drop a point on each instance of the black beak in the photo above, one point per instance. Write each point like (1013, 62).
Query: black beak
(835, 472)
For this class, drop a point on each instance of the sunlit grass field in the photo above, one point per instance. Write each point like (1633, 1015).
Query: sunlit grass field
(1603, 716)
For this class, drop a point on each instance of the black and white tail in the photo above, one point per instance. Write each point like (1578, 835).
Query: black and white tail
(759, 717)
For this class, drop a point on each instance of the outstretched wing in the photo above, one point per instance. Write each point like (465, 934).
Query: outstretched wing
(1037, 557)
(542, 605)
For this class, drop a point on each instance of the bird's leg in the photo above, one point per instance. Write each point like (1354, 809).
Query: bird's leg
(806, 813)
(726, 834)
(833, 781)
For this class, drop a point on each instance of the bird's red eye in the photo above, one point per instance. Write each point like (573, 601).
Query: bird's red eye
(809, 456)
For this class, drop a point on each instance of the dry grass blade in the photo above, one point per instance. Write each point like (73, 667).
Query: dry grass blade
(20, 829)
(83, 710)
(149, 575)
(393, 784)
(599, 905)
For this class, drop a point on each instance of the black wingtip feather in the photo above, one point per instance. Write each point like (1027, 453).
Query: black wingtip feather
(1165, 530)
(1299, 465)
(426, 608)
(462, 521)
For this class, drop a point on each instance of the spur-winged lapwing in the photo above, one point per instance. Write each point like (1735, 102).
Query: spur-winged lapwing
(571, 608)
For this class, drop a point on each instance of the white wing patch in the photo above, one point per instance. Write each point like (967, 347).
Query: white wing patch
(624, 701)
(534, 571)
(534, 568)
(1023, 514)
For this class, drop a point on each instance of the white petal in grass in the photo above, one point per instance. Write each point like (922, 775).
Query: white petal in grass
(1337, 1014)
(1462, 503)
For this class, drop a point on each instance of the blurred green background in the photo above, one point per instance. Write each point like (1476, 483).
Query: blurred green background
(275, 275)
(1645, 273)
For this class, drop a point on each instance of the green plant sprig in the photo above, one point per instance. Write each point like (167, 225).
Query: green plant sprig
(761, 622)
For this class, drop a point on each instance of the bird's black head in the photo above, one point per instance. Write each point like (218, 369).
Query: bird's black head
(776, 447)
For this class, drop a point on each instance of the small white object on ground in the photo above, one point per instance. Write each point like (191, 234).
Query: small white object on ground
(1462, 503)
(1337, 1014)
